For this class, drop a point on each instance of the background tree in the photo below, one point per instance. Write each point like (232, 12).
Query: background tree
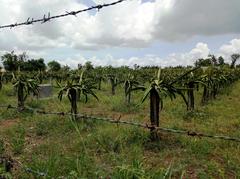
(33, 65)
(65, 69)
(213, 59)
(13, 62)
(54, 66)
(10, 61)
(88, 66)
(79, 66)
(221, 61)
(203, 62)
(234, 57)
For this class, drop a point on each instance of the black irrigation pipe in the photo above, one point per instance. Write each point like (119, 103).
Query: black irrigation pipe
(130, 123)
(47, 18)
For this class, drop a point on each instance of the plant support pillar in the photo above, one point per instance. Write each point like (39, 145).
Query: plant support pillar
(154, 111)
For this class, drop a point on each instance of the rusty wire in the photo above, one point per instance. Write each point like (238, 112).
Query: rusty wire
(48, 17)
(130, 123)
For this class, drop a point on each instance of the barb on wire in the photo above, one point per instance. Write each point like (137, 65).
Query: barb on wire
(28, 22)
(73, 13)
(48, 18)
(118, 121)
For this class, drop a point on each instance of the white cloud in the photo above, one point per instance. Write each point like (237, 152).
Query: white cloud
(135, 24)
(200, 51)
(38, 36)
(227, 50)
(231, 48)
(187, 18)
(129, 24)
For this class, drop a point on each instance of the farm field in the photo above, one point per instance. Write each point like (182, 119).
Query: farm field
(120, 89)
(62, 148)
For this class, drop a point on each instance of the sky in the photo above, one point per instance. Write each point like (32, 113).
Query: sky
(143, 32)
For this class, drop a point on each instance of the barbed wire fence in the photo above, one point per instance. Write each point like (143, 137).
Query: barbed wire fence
(114, 121)
(48, 17)
(130, 123)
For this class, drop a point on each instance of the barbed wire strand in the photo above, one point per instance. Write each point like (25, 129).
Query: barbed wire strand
(130, 123)
(48, 17)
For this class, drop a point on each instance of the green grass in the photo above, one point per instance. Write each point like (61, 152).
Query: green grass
(93, 149)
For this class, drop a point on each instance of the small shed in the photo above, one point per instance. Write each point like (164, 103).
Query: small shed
(45, 90)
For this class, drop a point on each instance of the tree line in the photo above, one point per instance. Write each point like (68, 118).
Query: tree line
(13, 62)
